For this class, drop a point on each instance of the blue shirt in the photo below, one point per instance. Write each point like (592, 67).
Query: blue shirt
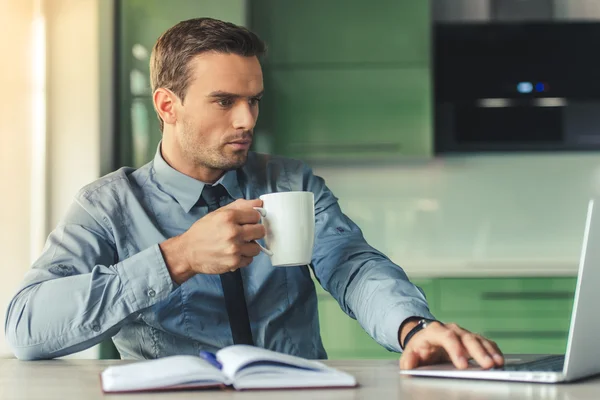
(102, 274)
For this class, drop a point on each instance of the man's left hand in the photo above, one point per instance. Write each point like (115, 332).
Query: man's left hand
(439, 343)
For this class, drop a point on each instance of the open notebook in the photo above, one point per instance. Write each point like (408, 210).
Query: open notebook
(243, 367)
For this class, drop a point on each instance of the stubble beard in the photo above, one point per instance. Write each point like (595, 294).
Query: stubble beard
(217, 158)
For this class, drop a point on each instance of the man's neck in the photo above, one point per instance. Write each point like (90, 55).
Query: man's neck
(172, 156)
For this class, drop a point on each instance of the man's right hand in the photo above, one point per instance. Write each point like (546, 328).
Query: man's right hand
(219, 242)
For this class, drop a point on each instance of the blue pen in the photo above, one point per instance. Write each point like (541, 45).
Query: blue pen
(211, 358)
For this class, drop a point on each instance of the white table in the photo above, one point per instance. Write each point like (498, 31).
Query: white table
(378, 379)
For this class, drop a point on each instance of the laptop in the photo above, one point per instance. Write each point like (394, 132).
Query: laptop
(582, 358)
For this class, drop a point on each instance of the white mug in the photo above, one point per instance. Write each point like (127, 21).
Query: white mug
(289, 219)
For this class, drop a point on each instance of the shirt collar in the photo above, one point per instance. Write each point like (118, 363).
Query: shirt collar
(185, 189)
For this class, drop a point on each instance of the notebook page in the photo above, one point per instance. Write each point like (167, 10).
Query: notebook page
(234, 358)
(159, 373)
(292, 379)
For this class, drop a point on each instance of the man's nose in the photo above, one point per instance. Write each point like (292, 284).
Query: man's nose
(244, 117)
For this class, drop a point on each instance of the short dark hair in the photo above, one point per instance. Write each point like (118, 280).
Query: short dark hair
(174, 49)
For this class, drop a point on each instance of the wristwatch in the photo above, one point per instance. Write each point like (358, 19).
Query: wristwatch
(421, 324)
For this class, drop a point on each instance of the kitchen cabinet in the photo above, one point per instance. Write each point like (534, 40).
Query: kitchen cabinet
(357, 113)
(345, 80)
(309, 32)
(523, 315)
(501, 297)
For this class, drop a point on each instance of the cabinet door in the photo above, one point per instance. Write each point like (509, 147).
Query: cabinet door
(523, 315)
(530, 297)
(542, 335)
(316, 32)
(345, 80)
(360, 113)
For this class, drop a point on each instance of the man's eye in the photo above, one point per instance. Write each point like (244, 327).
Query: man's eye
(225, 102)
(254, 101)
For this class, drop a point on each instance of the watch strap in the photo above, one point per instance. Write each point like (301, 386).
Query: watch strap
(421, 324)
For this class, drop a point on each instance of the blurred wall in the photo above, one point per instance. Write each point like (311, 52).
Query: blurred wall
(473, 215)
(72, 128)
(73, 101)
(15, 161)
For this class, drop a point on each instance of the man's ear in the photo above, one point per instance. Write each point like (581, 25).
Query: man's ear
(164, 103)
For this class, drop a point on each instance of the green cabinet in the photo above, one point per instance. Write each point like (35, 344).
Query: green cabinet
(523, 315)
(522, 334)
(345, 79)
(309, 32)
(506, 297)
(349, 114)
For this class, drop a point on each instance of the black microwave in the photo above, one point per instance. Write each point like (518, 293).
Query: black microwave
(531, 86)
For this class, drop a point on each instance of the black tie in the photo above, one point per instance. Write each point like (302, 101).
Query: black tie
(233, 287)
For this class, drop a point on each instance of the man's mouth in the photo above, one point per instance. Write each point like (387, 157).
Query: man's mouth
(241, 144)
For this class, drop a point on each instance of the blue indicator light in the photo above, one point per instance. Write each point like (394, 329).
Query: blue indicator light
(524, 87)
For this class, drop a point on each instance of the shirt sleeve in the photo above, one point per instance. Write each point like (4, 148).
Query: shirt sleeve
(77, 294)
(367, 285)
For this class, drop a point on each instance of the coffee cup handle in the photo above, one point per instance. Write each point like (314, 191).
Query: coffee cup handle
(263, 213)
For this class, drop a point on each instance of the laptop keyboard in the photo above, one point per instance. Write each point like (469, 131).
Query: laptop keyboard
(545, 364)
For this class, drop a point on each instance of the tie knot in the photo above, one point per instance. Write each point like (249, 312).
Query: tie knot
(214, 196)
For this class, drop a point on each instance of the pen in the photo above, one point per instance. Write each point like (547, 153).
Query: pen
(211, 358)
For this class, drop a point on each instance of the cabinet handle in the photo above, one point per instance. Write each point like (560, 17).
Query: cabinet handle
(343, 148)
(525, 334)
(553, 295)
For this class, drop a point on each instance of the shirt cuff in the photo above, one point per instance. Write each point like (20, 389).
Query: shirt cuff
(146, 277)
(395, 317)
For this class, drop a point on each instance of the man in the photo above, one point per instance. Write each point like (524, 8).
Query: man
(163, 259)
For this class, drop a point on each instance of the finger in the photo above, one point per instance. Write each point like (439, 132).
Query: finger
(242, 261)
(241, 204)
(249, 250)
(493, 350)
(243, 216)
(426, 354)
(450, 341)
(476, 349)
(409, 360)
(253, 232)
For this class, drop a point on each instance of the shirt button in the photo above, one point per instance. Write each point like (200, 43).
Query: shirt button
(96, 328)
(151, 293)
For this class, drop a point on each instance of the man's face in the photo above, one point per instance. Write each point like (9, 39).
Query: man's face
(215, 122)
